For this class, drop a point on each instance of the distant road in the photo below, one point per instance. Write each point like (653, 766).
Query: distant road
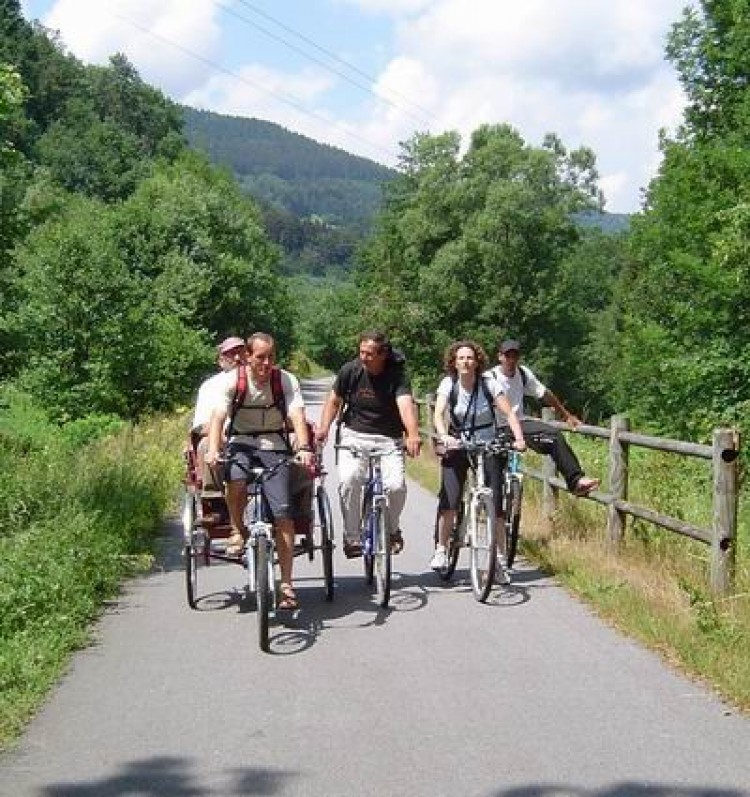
(527, 696)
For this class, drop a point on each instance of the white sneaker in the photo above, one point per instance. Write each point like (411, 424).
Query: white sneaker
(502, 576)
(439, 559)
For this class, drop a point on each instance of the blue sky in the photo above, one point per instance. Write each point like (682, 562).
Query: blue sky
(366, 74)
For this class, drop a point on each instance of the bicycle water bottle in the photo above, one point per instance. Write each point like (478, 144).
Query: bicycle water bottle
(514, 462)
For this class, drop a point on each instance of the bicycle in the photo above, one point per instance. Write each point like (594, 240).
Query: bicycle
(475, 523)
(512, 486)
(259, 555)
(205, 534)
(375, 533)
(512, 497)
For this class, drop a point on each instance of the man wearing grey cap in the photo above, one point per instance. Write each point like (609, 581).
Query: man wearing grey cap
(517, 381)
(229, 353)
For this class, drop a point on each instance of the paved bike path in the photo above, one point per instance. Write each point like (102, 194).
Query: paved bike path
(526, 696)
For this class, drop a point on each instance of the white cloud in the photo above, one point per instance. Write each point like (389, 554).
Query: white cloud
(257, 90)
(164, 40)
(591, 71)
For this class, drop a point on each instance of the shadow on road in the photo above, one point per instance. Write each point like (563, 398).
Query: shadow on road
(174, 777)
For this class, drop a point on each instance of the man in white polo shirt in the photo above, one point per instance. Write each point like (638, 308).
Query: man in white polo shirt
(517, 381)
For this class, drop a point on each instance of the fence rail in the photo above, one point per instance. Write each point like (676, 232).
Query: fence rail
(723, 455)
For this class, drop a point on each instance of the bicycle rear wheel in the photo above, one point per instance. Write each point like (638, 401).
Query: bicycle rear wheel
(482, 544)
(193, 548)
(512, 520)
(325, 522)
(263, 586)
(382, 558)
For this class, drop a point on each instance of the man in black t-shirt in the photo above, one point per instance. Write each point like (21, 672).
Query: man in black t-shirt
(374, 393)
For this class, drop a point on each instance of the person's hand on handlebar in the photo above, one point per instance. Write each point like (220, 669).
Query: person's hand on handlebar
(519, 445)
(448, 441)
(304, 455)
(211, 457)
(413, 446)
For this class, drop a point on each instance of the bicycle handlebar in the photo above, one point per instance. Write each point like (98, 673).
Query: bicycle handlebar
(370, 453)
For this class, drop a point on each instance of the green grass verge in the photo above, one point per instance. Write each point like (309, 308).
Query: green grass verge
(76, 518)
(655, 588)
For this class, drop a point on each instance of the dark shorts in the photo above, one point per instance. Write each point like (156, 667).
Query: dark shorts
(277, 488)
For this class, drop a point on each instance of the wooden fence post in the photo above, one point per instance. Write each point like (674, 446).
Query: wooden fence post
(618, 479)
(429, 408)
(549, 493)
(726, 446)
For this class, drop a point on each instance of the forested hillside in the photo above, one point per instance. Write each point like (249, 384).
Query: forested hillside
(124, 255)
(318, 201)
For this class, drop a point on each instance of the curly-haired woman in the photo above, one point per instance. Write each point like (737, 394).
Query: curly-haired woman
(465, 410)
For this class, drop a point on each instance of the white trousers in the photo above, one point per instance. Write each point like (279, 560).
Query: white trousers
(353, 475)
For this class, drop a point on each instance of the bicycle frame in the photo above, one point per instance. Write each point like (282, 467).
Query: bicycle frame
(375, 534)
(375, 500)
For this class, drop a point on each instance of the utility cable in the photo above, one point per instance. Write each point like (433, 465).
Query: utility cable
(426, 115)
(287, 99)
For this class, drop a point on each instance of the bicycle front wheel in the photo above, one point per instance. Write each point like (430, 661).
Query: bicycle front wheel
(263, 587)
(367, 536)
(325, 523)
(512, 520)
(482, 542)
(382, 558)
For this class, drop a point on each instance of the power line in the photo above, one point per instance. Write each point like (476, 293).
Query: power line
(322, 63)
(427, 115)
(287, 99)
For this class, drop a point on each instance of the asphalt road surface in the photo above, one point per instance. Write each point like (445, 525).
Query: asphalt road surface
(528, 695)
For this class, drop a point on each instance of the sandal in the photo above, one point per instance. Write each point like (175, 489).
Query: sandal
(288, 599)
(235, 544)
(352, 549)
(397, 542)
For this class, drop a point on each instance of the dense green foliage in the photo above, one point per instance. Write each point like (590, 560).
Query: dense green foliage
(650, 321)
(123, 255)
(685, 294)
(66, 543)
(473, 245)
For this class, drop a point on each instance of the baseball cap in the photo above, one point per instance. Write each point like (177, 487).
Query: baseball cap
(228, 344)
(509, 345)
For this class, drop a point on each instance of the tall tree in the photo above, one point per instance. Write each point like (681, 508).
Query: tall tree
(473, 245)
(684, 288)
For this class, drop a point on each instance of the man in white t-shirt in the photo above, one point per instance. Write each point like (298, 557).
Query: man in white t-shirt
(517, 381)
(229, 353)
(257, 437)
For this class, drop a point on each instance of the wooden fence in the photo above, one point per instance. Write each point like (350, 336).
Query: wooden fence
(723, 455)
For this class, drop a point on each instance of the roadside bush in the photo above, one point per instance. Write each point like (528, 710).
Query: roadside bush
(79, 511)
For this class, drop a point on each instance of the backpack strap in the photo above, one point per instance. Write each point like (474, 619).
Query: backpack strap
(238, 400)
(524, 375)
(456, 425)
(278, 400)
(277, 392)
